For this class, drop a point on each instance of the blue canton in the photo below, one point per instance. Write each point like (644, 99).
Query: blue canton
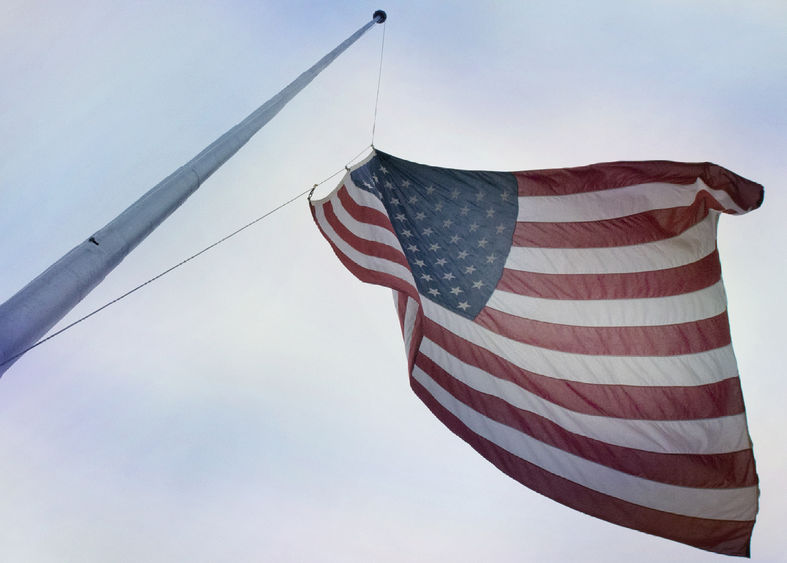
(455, 226)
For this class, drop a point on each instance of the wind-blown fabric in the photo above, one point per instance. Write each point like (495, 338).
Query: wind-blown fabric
(571, 326)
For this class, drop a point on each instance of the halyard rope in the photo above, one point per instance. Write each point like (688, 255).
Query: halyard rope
(179, 264)
(379, 77)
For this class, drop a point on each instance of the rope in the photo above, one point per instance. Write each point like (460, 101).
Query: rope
(379, 77)
(179, 264)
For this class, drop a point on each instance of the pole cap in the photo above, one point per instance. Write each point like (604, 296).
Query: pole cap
(379, 16)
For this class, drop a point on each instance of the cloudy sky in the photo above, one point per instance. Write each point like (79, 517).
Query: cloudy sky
(254, 404)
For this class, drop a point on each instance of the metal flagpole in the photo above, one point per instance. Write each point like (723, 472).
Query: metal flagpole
(38, 306)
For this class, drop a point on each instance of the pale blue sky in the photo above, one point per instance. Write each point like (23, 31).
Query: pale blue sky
(254, 405)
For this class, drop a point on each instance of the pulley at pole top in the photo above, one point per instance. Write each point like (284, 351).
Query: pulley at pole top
(379, 16)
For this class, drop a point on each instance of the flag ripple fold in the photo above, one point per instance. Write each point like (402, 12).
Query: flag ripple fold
(571, 326)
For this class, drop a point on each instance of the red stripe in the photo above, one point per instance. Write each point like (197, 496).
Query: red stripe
(728, 470)
(415, 337)
(368, 275)
(362, 213)
(369, 247)
(720, 536)
(649, 226)
(655, 283)
(722, 398)
(374, 276)
(658, 340)
(610, 175)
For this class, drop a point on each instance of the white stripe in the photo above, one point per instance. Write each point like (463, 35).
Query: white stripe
(722, 504)
(683, 370)
(704, 436)
(362, 197)
(652, 311)
(332, 193)
(364, 230)
(690, 246)
(619, 202)
(408, 320)
(410, 315)
(363, 260)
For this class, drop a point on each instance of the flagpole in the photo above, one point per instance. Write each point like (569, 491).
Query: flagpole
(38, 306)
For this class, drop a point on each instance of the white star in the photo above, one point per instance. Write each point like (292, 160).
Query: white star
(479, 284)
(413, 199)
(469, 269)
(464, 211)
(490, 212)
(420, 263)
(454, 193)
(400, 217)
(454, 239)
(405, 183)
(383, 169)
(464, 305)
(479, 196)
(407, 233)
(473, 227)
(447, 223)
(462, 255)
(434, 292)
(456, 290)
(368, 185)
(448, 276)
(434, 247)
(504, 196)
(439, 206)
(426, 277)
(428, 231)
(430, 190)
(395, 201)
(482, 243)
(420, 216)
(500, 229)
(375, 178)
(412, 248)
(441, 261)
(388, 185)
(491, 258)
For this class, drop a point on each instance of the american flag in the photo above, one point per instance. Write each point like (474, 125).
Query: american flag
(571, 326)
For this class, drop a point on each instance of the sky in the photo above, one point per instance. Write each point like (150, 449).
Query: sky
(253, 405)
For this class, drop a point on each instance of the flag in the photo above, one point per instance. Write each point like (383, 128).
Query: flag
(571, 326)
